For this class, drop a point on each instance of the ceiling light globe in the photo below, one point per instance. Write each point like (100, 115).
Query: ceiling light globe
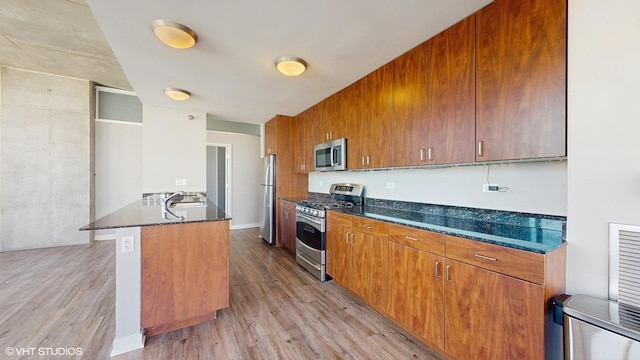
(173, 34)
(177, 94)
(290, 66)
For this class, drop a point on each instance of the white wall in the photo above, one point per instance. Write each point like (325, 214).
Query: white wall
(603, 128)
(118, 168)
(45, 149)
(538, 187)
(174, 147)
(246, 175)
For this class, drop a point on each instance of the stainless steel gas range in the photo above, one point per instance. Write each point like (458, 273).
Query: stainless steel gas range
(311, 243)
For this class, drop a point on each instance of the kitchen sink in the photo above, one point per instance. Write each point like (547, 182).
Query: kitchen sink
(188, 204)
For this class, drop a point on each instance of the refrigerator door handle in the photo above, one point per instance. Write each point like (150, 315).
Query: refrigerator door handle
(267, 175)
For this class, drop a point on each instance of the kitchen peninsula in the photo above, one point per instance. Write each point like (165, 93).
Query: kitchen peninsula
(172, 266)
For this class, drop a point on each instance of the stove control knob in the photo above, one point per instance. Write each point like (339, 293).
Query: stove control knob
(315, 212)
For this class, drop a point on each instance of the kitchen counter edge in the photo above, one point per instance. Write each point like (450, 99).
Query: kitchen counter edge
(137, 214)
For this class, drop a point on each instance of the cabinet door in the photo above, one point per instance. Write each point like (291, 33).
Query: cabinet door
(287, 224)
(492, 316)
(311, 136)
(410, 107)
(338, 253)
(300, 144)
(451, 95)
(270, 128)
(416, 292)
(356, 112)
(380, 120)
(521, 79)
(369, 276)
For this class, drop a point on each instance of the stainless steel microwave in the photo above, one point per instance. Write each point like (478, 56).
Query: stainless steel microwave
(331, 156)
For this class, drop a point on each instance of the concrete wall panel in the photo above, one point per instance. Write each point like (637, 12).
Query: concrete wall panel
(45, 171)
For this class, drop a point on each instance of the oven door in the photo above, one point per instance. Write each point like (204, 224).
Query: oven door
(310, 231)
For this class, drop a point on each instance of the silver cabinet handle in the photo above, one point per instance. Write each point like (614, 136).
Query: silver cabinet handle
(430, 153)
(346, 237)
(411, 238)
(352, 235)
(330, 135)
(367, 160)
(421, 154)
(480, 152)
(367, 227)
(486, 257)
(363, 160)
(446, 275)
(437, 269)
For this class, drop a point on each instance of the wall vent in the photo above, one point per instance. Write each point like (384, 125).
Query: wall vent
(624, 264)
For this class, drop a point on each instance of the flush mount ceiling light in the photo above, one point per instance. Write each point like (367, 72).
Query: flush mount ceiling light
(173, 34)
(290, 65)
(177, 94)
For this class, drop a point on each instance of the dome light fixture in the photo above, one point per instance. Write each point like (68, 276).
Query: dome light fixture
(173, 34)
(290, 65)
(177, 94)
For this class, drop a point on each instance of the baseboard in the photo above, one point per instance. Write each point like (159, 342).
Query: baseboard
(127, 344)
(244, 226)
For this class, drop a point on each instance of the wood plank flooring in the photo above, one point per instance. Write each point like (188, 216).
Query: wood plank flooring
(64, 297)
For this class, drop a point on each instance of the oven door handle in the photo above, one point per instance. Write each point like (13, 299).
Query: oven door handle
(309, 220)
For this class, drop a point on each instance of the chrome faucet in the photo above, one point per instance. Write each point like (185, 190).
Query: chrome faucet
(165, 205)
(166, 198)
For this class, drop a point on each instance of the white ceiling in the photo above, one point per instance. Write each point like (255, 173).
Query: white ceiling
(230, 72)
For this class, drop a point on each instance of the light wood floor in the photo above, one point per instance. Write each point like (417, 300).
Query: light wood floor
(64, 297)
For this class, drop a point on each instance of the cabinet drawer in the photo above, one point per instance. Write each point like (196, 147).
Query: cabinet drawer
(337, 218)
(416, 238)
(521, 264)
(372, 227)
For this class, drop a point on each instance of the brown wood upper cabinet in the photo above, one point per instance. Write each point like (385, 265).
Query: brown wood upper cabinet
(331, 123)
(410, 107)
(451, 95)
(369, 104)
(521, 79)
(434, 99)
(270, 137)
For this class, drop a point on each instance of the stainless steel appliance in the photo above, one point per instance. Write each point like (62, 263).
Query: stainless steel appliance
(311, 243)
(597, 328)
(331, 155)
(268, 223)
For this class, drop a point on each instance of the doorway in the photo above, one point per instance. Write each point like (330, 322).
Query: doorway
(218, 175)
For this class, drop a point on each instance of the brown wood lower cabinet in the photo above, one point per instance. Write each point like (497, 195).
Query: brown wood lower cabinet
(185, 274)
(416, 292)
(358, 260)
(492, 316)
(467, 299)
(287, 224)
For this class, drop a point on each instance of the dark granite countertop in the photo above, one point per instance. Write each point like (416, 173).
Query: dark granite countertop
(531, 233)
(145, 212)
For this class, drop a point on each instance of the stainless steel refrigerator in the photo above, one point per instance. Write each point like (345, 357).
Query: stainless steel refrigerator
(268, 224)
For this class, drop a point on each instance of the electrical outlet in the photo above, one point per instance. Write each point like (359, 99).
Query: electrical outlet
(127, 244)
(181, 182)
(391, 185)
(490, 187)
